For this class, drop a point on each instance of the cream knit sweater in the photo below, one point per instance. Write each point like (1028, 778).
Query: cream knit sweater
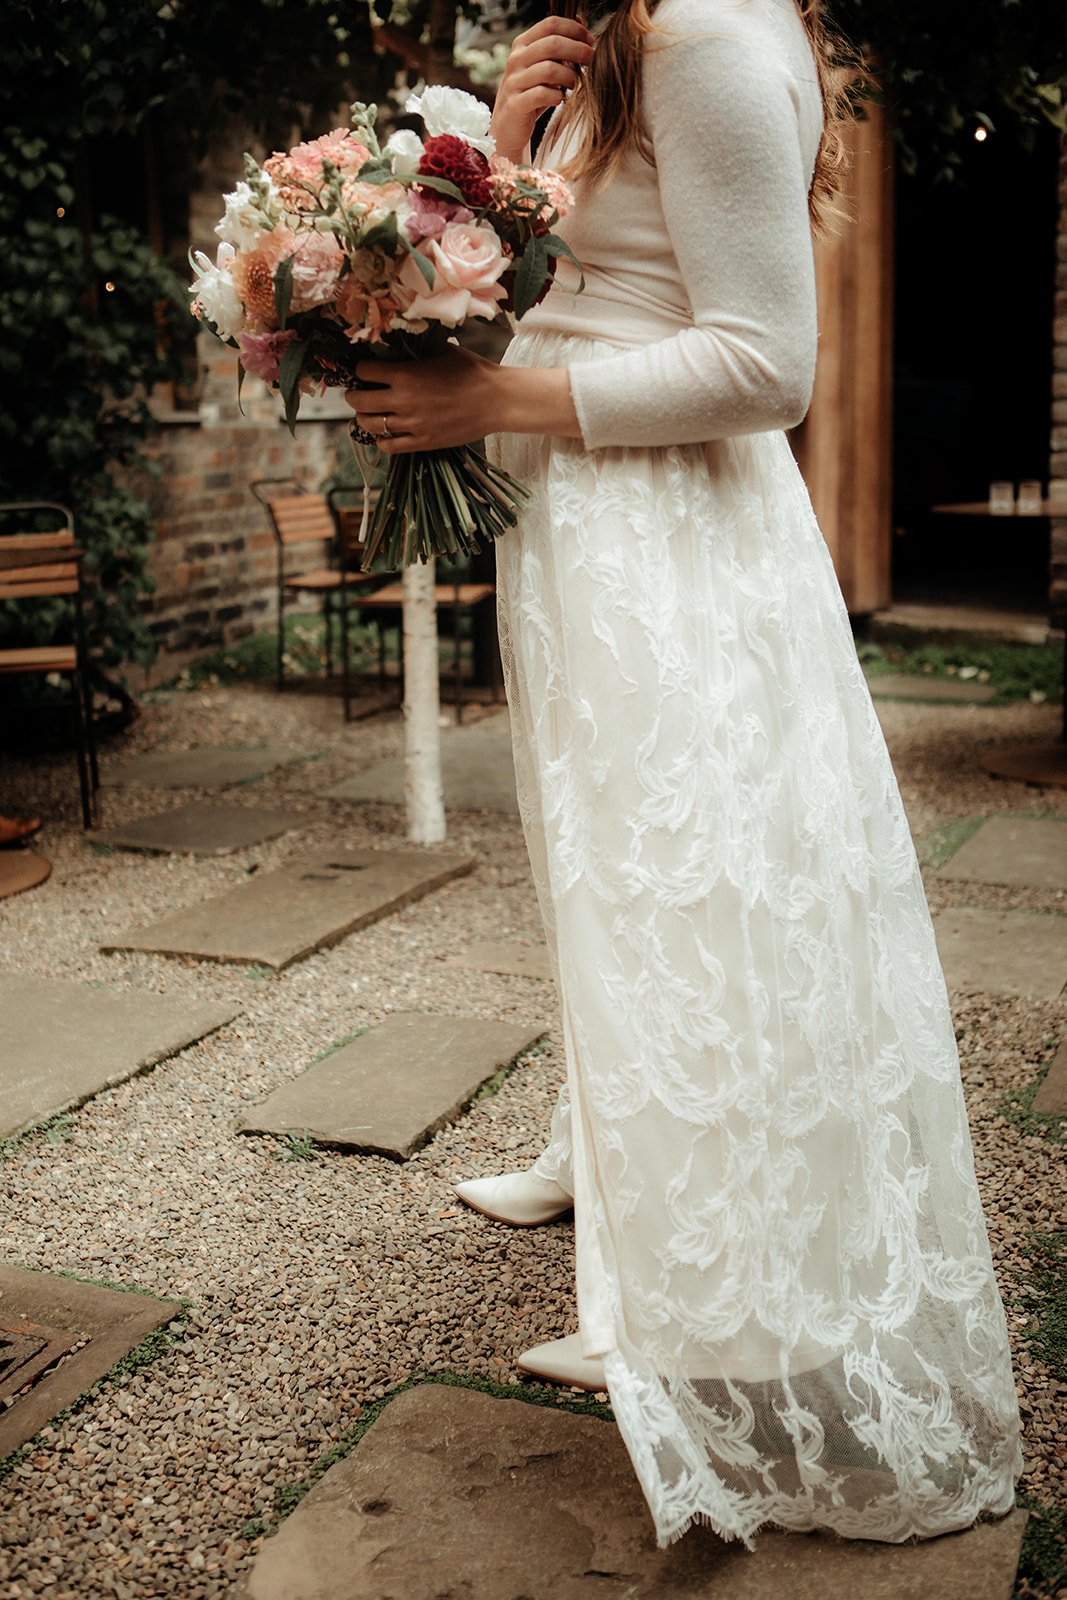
(702, 262)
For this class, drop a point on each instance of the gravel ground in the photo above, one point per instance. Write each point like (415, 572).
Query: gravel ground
(315, 1286)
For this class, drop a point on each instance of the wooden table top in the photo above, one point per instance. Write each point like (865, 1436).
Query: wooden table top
(980, 508)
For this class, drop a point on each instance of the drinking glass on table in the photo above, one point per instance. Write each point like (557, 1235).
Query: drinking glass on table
(1002, 499)
(1030, 498)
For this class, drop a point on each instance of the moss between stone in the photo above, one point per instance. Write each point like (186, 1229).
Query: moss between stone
(1042, 1573)
(1017, 1106)
(288, 1496)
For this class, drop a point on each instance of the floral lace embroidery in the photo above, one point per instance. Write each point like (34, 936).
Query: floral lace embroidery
(781, 1252)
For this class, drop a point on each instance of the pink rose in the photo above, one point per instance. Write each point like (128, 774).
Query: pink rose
(261, 353)
(468, 261)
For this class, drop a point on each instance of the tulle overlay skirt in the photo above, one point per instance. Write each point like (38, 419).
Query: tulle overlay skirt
(781, 1254)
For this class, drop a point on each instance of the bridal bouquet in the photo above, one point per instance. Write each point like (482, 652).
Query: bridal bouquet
(340, 246)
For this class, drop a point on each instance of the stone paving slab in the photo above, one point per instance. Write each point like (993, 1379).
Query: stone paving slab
(1042, 763)
(477, 772)
(515, 959)
(389, 1090)
(1024, 852)
(1005, 952)
(280, 917)
(453, 1493)
(21, 870)
(61, 1043)
(910, 686)
(203, 768)
(1051, 1098)
(201, 829)
(111, 1320)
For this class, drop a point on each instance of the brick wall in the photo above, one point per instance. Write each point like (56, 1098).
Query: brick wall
(214, 557)
(1058, 458)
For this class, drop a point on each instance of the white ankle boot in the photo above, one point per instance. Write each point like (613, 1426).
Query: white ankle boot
(520, 1198)
(561, 1361)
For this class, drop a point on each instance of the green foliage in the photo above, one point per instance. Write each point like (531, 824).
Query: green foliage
(1016, 671)
(76, 361)
(945, 69)
(89, 92)
(1017, 1107)
(1043, 1562)
(297, 1148)
(255, 659)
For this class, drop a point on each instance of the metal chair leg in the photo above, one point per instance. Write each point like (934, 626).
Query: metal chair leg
(327, 617)
(281, 629)
(346, 677)
(78, 707)
(85, 689)
(458, 657)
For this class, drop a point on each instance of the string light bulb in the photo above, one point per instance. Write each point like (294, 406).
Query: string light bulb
(61, 211)
(981, 135)
(109, 286)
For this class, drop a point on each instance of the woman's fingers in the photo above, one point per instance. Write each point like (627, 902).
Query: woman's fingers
(551, 48)
(544, 75)
(554, 27)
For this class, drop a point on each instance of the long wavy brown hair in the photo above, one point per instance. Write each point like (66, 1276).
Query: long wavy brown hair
(609, 98)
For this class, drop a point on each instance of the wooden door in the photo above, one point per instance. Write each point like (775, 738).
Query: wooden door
(844, 445)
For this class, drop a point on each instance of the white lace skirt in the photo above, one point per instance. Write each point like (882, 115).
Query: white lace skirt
(781, 1254)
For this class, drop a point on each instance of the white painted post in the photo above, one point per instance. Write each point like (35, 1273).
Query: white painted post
(422, 707)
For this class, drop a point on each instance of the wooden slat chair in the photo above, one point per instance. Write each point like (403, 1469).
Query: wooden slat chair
(299, 517)
(41, 566)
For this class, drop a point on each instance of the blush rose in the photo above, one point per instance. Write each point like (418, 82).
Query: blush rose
(468, 262)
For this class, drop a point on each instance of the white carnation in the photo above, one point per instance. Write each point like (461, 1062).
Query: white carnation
(243, 222)
(406, 150)
(446, 110)
(215, 291)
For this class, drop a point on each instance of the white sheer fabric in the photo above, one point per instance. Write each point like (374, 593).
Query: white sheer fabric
(781, 1253)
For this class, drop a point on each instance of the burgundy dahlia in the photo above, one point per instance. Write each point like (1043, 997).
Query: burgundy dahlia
(460, 163)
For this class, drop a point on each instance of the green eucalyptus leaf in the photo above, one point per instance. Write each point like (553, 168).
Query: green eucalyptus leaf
(558, 247)
(530, 276)
(379, 169)
(438, 185)
(382, 236)
(283, 289)
(289, 374)
(425, 266)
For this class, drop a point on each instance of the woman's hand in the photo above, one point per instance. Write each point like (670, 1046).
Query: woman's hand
(458, 398)
(544, 63)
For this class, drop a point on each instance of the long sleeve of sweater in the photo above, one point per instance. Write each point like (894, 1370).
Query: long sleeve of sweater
(732, 129)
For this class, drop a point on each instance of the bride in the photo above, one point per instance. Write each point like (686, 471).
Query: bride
(783, 1274)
